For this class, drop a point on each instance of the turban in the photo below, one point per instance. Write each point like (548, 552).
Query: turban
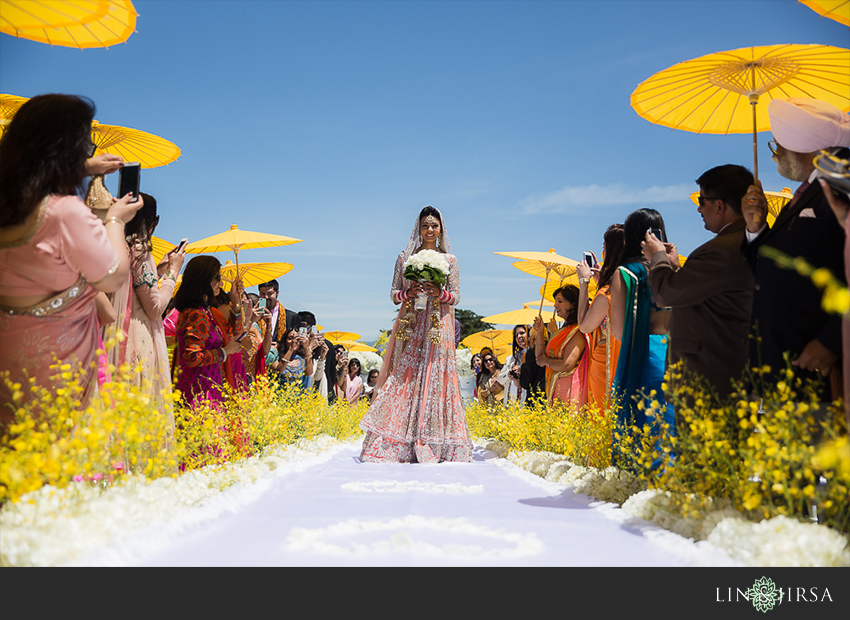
(808, 125)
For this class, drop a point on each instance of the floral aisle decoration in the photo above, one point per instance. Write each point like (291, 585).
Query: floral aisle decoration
(463, 355)
(61, 526)
(731, 470)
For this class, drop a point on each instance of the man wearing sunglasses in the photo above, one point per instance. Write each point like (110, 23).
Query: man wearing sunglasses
(787, 311)
(712, 293)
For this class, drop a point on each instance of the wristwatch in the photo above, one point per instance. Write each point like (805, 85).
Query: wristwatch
(583, 280)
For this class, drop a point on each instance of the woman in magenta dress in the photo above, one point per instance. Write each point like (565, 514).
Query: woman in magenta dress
(417, 412)
(55, 254)
(203, 345)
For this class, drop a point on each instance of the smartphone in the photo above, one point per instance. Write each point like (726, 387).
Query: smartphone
(656, 232)
(302, 331)
(182, 244)
(129, 178)
(588, 258)
(262, 303)
(316, 329)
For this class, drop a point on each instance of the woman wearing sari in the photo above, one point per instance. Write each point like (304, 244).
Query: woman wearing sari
(417, 412)
(204, 341)
(564, 355)
(55, 254)
(594, 318)
(641, 327)
(147, 296)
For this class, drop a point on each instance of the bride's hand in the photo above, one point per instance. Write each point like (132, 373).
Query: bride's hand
(430, 289)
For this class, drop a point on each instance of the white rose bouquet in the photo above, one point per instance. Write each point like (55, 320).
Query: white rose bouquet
(427, 266)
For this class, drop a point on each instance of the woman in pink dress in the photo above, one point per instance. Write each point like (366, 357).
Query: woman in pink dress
(144, 348)
(55, 254)
(417, 412)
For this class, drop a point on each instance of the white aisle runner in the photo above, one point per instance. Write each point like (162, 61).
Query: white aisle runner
(342, 512)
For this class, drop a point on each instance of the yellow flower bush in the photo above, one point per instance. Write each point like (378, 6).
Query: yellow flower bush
(56, 441)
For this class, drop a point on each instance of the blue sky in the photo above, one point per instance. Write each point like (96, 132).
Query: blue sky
(335, 122)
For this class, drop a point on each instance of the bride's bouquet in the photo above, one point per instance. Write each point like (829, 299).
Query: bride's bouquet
(427, 266)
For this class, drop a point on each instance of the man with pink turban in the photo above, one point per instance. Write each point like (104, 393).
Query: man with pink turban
(787, 315)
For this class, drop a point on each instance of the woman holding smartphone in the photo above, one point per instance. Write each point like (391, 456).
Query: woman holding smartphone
(55, 254)
(139, 306)
(641, 326)
(594, 317)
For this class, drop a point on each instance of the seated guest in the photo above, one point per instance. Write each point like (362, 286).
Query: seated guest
(55, 254)
(510, 373)
(369, 386)
(490, 390)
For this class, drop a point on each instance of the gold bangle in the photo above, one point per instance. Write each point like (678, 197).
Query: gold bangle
(109, 220)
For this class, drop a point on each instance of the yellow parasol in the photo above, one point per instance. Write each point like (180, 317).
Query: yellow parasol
(488, 338)
(160, 248)
(547, 260)
(718, 93)
(253, 273)
(350, 345)
(775, 201)
(71, 23)
(836, 10)
(565, 276)
(9, 104)
(133, 145)
(524, 316)
(235, 240)
(337, 336)
(546, 302)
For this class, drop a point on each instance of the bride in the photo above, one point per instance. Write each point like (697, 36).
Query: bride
(417, 413)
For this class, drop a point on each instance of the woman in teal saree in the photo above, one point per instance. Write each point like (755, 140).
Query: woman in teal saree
(643, 329)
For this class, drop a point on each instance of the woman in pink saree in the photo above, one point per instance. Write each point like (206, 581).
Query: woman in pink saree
(417, 412)
(55, 254)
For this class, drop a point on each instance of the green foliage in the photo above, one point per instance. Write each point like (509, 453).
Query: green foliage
(470, 322)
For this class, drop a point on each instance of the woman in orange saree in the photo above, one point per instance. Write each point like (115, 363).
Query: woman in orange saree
(594, 317)
(564, 356)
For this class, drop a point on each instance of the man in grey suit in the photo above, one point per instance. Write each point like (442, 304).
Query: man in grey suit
(711, 295)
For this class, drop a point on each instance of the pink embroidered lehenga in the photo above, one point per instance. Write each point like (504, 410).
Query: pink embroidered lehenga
(417, 413)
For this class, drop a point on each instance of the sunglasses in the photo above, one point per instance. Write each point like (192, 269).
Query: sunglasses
(702, 200)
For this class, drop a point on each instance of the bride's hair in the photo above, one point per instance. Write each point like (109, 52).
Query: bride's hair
(429, 210)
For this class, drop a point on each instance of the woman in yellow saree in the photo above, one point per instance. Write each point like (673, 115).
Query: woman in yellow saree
(564, 356)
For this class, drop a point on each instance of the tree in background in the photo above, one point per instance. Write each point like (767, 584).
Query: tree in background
(470, 322)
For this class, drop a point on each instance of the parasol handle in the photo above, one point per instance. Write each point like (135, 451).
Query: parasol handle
(543, 295)
(753, 102)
